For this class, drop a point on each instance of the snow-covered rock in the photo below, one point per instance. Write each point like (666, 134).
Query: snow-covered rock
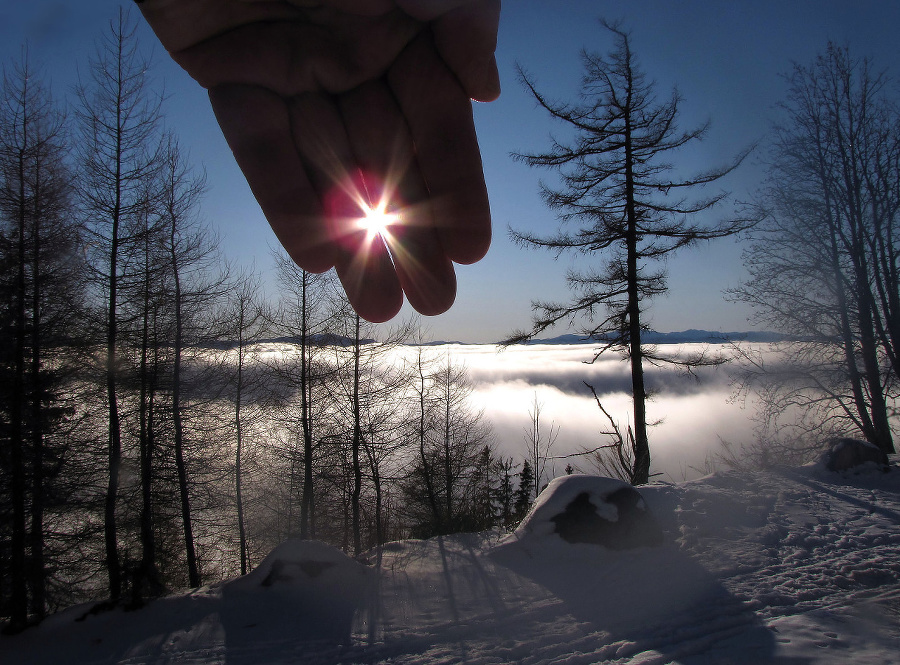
(305, 563)
(321, 586)
(847, 454)
(591, 509)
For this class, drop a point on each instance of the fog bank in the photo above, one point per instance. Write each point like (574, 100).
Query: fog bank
(693, 412)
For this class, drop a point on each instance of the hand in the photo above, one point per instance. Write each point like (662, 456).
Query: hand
(333, 103)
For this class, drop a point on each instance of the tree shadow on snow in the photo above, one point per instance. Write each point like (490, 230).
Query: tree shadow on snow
(649, 599)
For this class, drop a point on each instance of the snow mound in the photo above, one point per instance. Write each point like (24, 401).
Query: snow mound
(308, 565)
(854, 455)
(591, 509)
(318, 586)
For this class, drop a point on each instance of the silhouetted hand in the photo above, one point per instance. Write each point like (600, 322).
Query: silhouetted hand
(331, 104)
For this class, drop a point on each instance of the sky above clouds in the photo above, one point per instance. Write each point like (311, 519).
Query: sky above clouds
(724, 57)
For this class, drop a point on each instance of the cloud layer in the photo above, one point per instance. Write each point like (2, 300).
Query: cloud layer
(693, 411)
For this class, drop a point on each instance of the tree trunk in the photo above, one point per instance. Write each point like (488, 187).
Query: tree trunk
(146, 574)
(19, 595)
(881, 429)
(308, 448)
(379, 516)
(376, 483)
(307, 499)
(448, 470)
(242, 534)
(193, 572)
(641, 470)
(38, 574)
(115, 433)
(357, 441)
(426, 467)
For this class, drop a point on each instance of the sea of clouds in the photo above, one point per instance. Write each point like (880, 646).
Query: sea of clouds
(694, 412)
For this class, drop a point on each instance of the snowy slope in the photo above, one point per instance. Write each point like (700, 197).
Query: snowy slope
(793, 566)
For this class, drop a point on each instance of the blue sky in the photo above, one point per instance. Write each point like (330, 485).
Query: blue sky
(724, 56)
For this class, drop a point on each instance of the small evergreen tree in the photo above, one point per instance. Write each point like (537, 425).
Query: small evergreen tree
(483, 512)
(504, 493)
(525, 492)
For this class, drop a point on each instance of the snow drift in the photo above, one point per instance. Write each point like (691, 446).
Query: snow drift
(791, 566)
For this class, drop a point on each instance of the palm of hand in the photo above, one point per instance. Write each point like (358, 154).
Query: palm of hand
(326, 111)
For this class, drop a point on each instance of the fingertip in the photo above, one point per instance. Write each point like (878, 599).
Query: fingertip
(424, 270)
(466, 38)
(463, 219)
(380, 311)
(485, 83)
(431, 294)
(469, 245)
(316, 261)
(369, 280)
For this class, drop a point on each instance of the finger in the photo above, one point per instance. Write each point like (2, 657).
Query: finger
(257, 127)
(465, 34)
(425, 272)
(358, 7)
(466, 39)
(292, 57)
(362, 263)
(180, 25)
(439, 115)
(382, 146)
(288, 57)
(428, 10)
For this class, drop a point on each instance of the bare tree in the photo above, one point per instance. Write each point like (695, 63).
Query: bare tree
(148, 299)
(441, 486)
(365, 381)
(308, 310)
(539, 443)
(249, 322)
(824, 263)
(422, 426)
(118, 122)
(196, 283)
(356, 437)
(621, 193)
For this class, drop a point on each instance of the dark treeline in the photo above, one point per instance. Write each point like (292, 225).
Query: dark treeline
(149, 440)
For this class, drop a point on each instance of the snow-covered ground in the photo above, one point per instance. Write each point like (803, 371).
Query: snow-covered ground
(791, 566)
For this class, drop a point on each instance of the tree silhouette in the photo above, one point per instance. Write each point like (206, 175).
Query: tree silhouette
(119, 121)
(620, 196)
(524, 494)
(40, 282)
(824, 263)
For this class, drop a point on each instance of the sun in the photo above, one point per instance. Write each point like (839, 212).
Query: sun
(376, 221)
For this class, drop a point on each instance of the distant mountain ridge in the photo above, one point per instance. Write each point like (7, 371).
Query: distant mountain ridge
(323, 339)
(691, 336)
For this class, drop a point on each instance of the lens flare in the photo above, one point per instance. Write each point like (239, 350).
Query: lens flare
(376, 221)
